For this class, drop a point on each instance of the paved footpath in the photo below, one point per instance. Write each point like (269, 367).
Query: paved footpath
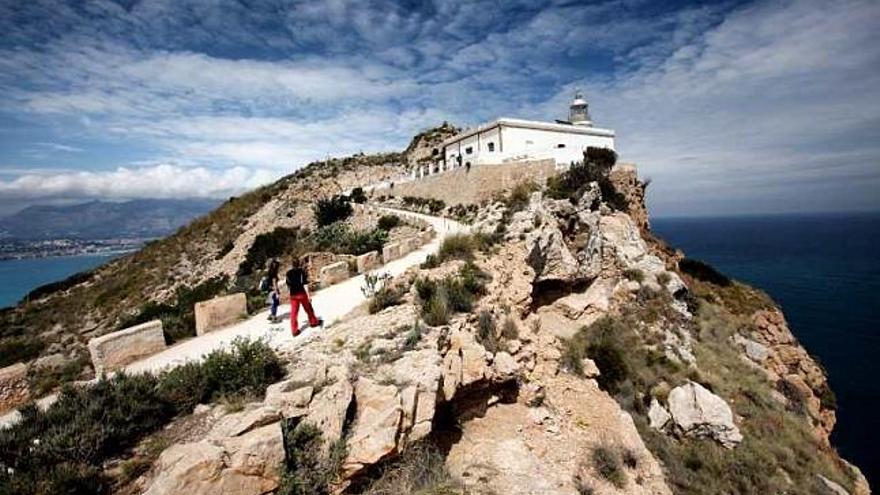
(331, 304)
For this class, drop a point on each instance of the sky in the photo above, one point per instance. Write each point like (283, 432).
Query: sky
(728, 107)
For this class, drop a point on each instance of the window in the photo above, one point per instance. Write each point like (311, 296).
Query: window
(560, 145)
(491, 146)
(468, 150)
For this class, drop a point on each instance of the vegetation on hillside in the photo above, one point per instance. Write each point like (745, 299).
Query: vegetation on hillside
(595, 167)
(63, 449)
(634, 369)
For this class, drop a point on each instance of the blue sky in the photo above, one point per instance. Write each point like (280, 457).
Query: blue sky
(729, 107)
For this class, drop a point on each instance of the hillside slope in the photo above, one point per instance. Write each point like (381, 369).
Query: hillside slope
(142, 218)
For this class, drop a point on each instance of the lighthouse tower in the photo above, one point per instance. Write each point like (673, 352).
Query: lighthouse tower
(578, 113)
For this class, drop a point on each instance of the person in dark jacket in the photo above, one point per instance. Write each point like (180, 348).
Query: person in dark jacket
(275, 293)
(297, 282)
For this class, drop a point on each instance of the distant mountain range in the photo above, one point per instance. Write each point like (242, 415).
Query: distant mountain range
(104, 220)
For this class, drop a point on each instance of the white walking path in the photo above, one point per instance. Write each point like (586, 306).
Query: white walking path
(330, 303)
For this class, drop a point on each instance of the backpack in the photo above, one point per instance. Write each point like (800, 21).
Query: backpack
(264, 284)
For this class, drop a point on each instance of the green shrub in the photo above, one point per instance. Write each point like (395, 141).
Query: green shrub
(607, 463)
(357, 195)
(519, 196)
(266, 246)
(432, 205)
(595, 167)
(634, 274)
(20, 348)
(340, 238)
(432, 261)
(703, 271)
(486, 331)
(388, 222)
(420, 470)
(41, 381)
(61, 285)
(62, 449)
(389, 295)
(333, 209)
(439, 299)
(456, 247)
(413, 336)
(309, 468)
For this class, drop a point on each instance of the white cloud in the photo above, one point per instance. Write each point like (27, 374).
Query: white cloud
(158, 181)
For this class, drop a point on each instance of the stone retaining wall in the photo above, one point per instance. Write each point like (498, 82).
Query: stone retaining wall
(333, 273)
(390, 252)
(116, 349)
(480, 183)
(13, 386)
(369, 261)
(220, 311)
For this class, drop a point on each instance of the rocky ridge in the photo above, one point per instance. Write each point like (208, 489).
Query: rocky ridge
(506, 403)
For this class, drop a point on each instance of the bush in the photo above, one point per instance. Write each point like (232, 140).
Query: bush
(308, 468)
(519, 196)
(279, 242)
(388, 222)
(62, 449)
(339, 238)
(21, 348)
(61, 285)
(486, 331)
(333, 209)
(455, 293)
(432, 205)
(595, 167)
(358, 196)
(432, 261)
(634, 274)
(385, 297)
(607, 464)
(421, 469)
(703, 271)
(600, 342)
(457, 247)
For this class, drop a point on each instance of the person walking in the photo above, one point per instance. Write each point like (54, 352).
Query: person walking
(274, 291)
(297, 282)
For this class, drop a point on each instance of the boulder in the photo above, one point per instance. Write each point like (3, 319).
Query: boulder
(698, 412)
(289, 398)
(658, 416)
(328, 409)
(828, 487)
(504, 367)
(253, 416)
(548, 254)
(246, 465)
(13, 386)
(374, 431)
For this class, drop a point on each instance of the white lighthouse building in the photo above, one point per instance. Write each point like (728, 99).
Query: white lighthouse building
(508, 140)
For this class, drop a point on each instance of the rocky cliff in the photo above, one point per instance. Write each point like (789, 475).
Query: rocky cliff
(590, 358)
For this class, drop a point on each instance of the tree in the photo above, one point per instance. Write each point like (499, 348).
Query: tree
(331, 210)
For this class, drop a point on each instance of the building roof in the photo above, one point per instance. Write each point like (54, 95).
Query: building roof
(528, 124)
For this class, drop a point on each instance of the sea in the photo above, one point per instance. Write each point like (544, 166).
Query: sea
(824, 271)
(18, 277)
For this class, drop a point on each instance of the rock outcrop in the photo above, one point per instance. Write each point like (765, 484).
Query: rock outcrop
(698, 412)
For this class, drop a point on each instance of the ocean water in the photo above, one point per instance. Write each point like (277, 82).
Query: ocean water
(18, 277)
(824, 271)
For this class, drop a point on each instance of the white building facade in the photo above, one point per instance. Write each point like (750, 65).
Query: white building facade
(508, 140)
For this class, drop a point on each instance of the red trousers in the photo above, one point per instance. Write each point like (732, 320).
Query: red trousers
(295, 301)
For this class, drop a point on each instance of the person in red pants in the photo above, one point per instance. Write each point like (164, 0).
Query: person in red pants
(297, 282)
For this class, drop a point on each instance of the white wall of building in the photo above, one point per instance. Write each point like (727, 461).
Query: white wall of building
(497, 143)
